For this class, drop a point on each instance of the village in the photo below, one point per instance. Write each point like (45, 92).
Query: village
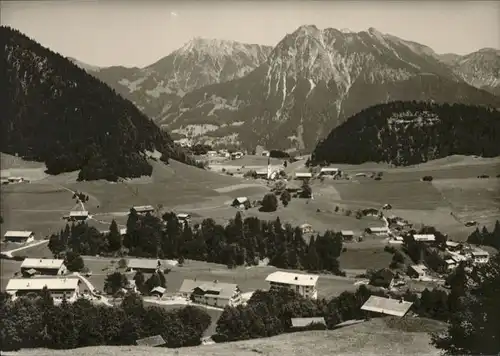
(422, 257)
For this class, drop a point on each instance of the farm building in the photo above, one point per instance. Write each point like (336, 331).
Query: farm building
(417, 271)
(304, 323)
(211, 293)
(480, 256)
(383, 278)
(58, 287)
(16, 179)
(184, 217)
(152, 341)
(303, 284)
(19, 236)
(424, 237)
(387, 306)
(212, 153)
(306, 228)
(451, 264)
(347, 235)
(325, 171)
(241, 202)
(379, 231)
(262, 174)
(78, 215)
(453, 246)
(158, 291)
(303, 175)
(143, 265)
(43, 266)
(143, 209)
(398, 240)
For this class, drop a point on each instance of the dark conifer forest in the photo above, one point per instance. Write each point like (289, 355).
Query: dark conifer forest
(406, 133)
(54, 112)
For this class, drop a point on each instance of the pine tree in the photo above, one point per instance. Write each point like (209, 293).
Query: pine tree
(313, 262)
(114, 238)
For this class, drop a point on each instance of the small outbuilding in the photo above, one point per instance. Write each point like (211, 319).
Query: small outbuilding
(241, 202)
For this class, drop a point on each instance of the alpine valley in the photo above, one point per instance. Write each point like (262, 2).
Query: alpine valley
(230, 94)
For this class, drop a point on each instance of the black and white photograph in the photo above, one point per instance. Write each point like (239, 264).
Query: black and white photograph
(249, 177)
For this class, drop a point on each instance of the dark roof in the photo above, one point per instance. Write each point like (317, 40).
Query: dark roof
(151, 341)
(225, 290)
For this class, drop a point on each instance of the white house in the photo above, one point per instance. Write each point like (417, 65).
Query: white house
(417, 271)
(143, 264)
(58, 287)
(326, 171)
(44, 266)
(212, 153)
(143, 209)
(303, 284)
(19, 236)
(424, 237)
(303, 175)
(480, 256)
(183, 217)
(78, 215)
(214, 293)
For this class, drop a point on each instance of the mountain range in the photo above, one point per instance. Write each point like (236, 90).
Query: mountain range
(200, 62)
(55, 112)
(289, 96)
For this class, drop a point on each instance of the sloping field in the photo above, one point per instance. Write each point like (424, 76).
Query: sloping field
(374, 337)
(40, 205)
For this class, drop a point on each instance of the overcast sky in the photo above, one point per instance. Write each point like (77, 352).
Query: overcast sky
(137, 33)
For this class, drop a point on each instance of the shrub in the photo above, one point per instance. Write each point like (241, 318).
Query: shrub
(427, 179)
(269, 203)
(250, 174)
(122, 263)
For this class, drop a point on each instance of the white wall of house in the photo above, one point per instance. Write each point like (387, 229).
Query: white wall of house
(305, 291)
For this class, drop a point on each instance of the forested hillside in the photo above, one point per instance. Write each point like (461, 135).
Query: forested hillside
(53, 111)
(406, 133)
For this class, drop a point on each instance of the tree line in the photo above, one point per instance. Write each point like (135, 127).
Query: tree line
(35, 322)
(406, 133)
(484, 237)
(241, 242)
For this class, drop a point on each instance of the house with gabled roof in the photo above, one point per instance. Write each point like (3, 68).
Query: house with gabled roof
(19, 236)
(43, 266)
(303, 284)
(143, 209)
(58, 287)
(387, 306)
(217, 294)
